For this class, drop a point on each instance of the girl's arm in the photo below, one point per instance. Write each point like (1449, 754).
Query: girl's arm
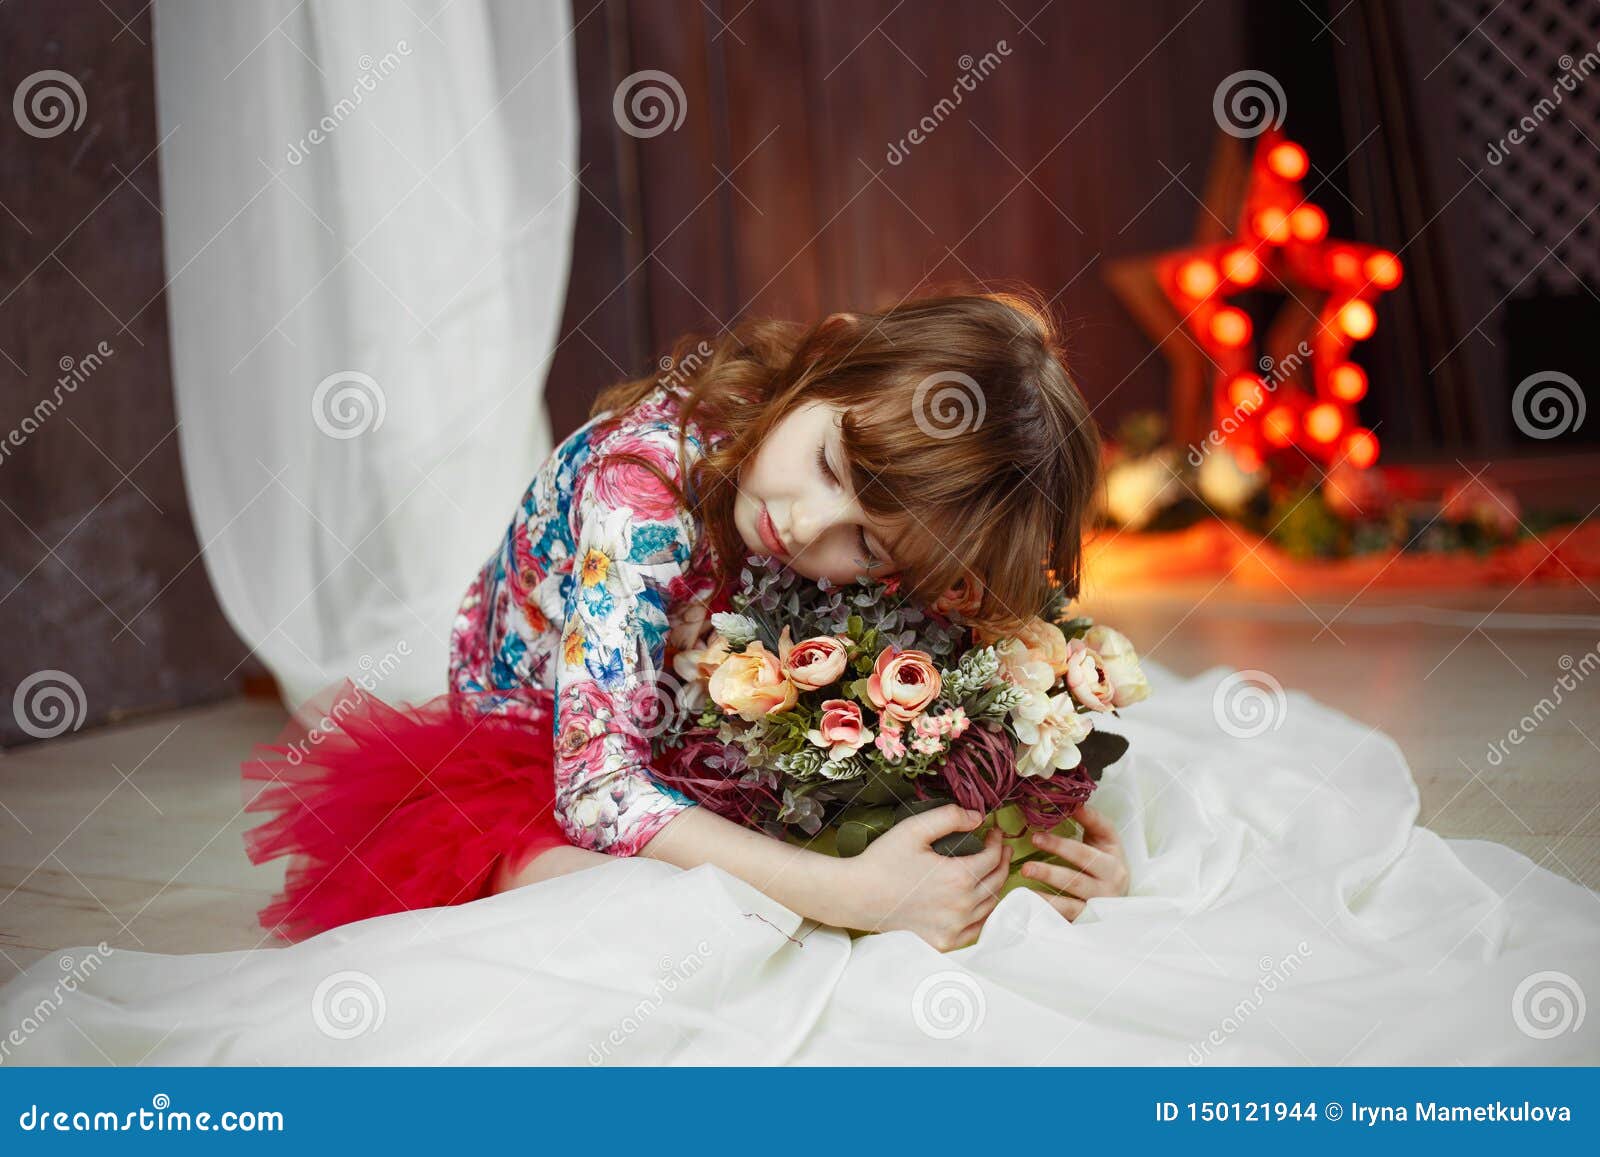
(899, 882)
(630, 542)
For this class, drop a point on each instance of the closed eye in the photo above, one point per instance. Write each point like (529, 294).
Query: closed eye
(867, 557)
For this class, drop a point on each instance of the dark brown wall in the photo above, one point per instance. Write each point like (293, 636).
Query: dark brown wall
(100, 575)
(775, 195)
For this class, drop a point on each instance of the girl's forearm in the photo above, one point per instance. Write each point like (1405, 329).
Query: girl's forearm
(809, 883)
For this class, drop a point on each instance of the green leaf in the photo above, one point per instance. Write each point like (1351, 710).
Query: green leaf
(859, 826)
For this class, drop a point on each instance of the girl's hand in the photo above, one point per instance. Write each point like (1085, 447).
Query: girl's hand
(900, 882)
(1099, 867)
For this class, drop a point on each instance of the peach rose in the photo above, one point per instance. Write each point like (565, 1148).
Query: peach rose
(1022, 667)
(816, 662)
(752, 684)
(1047, 644)
(1087, 678)
(841, 729)
(696, 665)
(962, 599)
(903, 683)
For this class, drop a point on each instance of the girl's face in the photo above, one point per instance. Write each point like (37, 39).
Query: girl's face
(795, 502)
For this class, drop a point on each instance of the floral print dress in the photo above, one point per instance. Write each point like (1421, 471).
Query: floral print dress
(600, 579)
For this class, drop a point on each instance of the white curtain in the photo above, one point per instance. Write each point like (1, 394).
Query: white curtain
(368, 220)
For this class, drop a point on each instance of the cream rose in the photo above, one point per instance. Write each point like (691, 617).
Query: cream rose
(1050, 742)
(1121, 663)
(751, 684)
(903, 683)
(1087, 678)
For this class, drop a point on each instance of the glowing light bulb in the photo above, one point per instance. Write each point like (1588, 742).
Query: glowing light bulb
(1230, 326)
(1197, 278)
(1324, 422)
(1345, 265)
(1278, 426)
(1348, 382)
(1308, 223)
(1361, 448)
(1244, 392)
(1383, 270)
(1273, 224)
(1357, 319)
(1288, 160)
(1240, 266)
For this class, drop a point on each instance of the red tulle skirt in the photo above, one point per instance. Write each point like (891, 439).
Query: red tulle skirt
(390, 808)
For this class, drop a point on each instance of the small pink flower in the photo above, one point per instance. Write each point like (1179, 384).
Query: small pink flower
(1087, 678)
(888, 742)
(841, 729)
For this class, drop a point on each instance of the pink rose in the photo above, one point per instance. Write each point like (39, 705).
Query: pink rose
(815, 663)
(965, 598)
(582, 704)
(903, 683)
(841, 729)
(1087, 678)
(620, 483)
(752, 684)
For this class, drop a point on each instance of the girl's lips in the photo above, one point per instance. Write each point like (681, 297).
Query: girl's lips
(769, 534)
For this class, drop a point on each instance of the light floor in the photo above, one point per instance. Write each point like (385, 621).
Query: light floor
(131, 834)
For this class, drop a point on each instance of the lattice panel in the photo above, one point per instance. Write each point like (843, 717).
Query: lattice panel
(1512, 67)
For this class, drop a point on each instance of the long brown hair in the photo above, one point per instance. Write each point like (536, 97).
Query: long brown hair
(963, 428)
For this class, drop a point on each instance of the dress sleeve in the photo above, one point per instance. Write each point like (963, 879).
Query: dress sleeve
(631, 540)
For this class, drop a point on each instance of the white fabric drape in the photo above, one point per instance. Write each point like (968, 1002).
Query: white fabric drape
(1285, 910)
(368, 221)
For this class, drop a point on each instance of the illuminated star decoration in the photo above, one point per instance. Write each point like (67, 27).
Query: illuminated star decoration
(1279, 403)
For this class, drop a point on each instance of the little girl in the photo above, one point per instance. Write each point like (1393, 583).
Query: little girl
(940, 441)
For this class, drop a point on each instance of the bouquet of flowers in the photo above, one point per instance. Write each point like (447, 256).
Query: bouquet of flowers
(828, 711)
